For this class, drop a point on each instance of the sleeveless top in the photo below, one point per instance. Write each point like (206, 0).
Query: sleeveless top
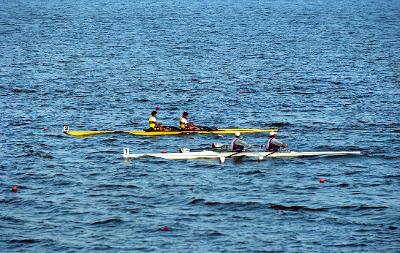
(234, 146)
(272, 146)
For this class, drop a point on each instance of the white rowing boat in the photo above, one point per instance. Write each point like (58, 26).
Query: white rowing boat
(260, 155)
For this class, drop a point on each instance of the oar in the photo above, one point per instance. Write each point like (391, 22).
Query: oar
(222, 158)
(262, 157)
(272, 152)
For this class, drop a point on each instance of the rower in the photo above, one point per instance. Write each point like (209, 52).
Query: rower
(153, 124)
(184, 124)
(238, 145)
(273, 143)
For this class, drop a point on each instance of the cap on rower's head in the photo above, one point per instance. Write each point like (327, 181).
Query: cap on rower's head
(185, 114)
(272, 133)
(237, 134)
(153, 113)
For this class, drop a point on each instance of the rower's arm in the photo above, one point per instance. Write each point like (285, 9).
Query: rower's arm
(242, 143)
(278, 143)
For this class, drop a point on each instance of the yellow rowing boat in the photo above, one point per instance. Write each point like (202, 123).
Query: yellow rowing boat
(87, 133)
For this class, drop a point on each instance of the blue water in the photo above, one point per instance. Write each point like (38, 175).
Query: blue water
(325, 72)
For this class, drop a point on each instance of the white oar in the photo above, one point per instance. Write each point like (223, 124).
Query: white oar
(222, 158)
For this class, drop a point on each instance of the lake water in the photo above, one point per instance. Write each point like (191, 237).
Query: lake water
(325, 72)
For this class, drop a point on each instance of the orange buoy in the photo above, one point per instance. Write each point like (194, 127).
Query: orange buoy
(14, 188)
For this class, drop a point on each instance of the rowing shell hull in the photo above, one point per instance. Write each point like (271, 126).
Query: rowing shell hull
(222, 155)
(162, 133)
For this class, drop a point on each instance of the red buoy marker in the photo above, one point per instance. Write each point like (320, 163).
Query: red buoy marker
(157, 108)
(165, 228)
(14, 188)
(322, 180)
(45, 129)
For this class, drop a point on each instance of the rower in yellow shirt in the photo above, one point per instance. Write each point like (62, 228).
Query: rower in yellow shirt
(153, 124)
(184, 124)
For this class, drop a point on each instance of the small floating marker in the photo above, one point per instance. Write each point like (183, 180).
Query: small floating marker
(166, 228)
(14, 188)
(344, 105)
(164, 151)
(45, 129)
(322, 180)
(157, 108)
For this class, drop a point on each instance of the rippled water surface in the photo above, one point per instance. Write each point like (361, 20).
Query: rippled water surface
(325, 72)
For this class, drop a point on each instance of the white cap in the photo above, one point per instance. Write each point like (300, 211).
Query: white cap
(272, 133)
(237, 134)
